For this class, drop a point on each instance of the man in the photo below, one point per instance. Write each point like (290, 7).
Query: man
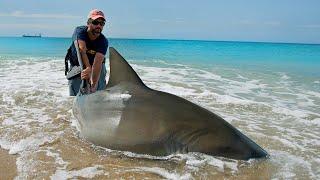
(93, 47)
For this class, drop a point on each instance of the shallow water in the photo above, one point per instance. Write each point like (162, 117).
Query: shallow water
(37, 125)
(277, 109)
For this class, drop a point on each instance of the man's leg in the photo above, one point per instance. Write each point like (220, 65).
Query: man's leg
(102, 79)
(74, 86)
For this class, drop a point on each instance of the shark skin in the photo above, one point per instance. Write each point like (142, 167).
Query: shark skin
(130, 116)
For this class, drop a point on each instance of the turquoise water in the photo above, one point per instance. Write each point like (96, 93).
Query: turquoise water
(269, 91)
(296, 58)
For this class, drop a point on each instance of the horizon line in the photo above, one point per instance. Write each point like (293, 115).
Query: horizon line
(177, 39)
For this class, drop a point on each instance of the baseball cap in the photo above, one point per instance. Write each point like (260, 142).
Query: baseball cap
(95, 14)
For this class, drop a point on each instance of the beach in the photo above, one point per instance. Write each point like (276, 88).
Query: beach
(8, 169)
(269, 91)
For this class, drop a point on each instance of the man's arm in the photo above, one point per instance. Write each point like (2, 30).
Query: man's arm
(96, 70)
(86, 73)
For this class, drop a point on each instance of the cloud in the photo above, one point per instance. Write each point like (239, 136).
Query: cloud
(256, 23)
(180, 20)
(176, 20)
(272, 23)
(160, 20)
(31, 26)
(251, 23)
(311, 26)
(21, 14)
(245, 22)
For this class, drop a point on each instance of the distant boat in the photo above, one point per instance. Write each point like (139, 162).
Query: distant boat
(28, 35)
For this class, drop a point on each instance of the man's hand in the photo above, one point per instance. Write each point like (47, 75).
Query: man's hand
(86, 73)
(93, 87)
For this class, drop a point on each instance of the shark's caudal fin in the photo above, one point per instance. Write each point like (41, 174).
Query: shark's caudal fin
(121, 71)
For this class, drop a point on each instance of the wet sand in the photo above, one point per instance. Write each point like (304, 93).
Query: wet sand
(8, 168)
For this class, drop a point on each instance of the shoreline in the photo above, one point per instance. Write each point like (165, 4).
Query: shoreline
(182, 39)
(8, 167)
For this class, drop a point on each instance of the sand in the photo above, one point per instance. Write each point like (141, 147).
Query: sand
(8, 168)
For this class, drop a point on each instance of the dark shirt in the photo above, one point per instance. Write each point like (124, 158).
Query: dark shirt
(98, 45)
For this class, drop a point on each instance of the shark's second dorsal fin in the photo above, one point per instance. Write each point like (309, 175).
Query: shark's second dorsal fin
(121, 71)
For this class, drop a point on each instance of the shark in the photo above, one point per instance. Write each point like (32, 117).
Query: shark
(130, 116)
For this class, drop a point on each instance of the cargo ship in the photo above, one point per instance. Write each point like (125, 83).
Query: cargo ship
(28, 35)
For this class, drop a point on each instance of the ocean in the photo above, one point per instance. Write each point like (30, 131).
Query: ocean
(269, 91)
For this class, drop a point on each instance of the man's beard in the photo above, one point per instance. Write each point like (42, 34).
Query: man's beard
(96, 31)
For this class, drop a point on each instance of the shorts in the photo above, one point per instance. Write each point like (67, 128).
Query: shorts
(74, 84)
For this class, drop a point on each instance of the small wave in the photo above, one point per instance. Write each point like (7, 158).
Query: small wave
(284, 76)
(163, 173)
(288, 166)
(30, 143)
(88, 172)
(192, 160)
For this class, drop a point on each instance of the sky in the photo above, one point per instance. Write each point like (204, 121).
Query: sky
(292, 21)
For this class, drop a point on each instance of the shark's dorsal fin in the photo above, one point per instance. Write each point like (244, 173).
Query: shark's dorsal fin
(121, 71)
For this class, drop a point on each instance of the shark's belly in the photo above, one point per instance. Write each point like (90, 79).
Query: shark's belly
(99, 116)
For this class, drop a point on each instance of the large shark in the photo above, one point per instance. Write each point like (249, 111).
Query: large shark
(130, 116)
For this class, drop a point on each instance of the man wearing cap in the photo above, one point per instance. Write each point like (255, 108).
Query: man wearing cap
(93, 47)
